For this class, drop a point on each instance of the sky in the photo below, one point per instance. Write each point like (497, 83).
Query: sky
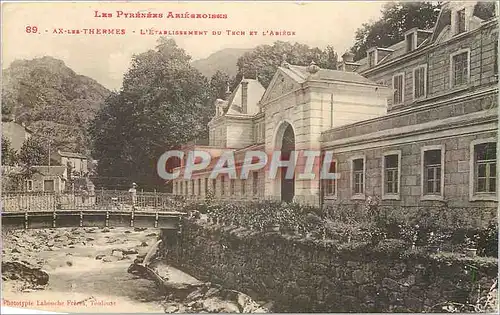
(106, 58)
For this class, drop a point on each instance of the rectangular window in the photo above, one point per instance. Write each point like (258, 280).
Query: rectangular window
(206, 186)
(358, 175)
(485, 166)
(398, 86)
(461, 21)
(214, 185)
(29, 185)
(231, 187)
(187, 188)
(48, 185)
(391, 174)
(255, 183)
(222, 185)
(460, 68)
(330, 185)
(432, 172)
(199, 186)
(192, 187)
(419, 82)
(262, 132)
(243, 187)
(180, 191)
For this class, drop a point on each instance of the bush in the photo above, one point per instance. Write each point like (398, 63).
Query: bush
(440, 228)
(487, 244)
(264, 214)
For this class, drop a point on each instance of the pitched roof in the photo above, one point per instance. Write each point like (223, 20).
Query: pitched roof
(482, 11)
(255, 90)
(301, 74)
(50, 170)
(14, 124)
(72, 155)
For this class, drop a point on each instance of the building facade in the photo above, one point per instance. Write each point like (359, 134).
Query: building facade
(414, 124)
(438, 142)
(291, 114)
(78, 163)
(47, 179)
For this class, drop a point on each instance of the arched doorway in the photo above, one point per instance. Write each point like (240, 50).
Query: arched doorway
(287, 146)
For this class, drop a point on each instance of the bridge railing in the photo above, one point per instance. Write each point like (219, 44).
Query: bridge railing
(100, 200)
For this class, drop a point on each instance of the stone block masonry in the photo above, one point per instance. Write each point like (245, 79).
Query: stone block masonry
(307, 275)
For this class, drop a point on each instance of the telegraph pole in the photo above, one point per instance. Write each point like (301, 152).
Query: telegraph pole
(48, 168)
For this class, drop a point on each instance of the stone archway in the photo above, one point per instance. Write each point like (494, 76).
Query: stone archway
(285, 141)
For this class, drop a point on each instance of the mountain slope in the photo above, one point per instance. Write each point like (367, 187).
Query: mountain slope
(52, 100)
(223, 60)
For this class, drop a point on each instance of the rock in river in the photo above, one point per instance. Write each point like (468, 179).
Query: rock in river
(23, 271)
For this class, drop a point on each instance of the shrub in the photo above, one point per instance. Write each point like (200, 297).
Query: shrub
(437, 227)
(487, 244)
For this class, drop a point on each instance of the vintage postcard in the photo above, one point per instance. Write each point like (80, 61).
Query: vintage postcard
(249, 157)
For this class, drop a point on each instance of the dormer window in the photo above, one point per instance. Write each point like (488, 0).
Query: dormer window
(410, 42)
(412, 39)
(372, 58)
(461, 28)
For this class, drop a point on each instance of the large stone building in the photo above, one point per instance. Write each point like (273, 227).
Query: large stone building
(414, 124)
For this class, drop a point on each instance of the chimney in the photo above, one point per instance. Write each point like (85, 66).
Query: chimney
(348, 57)
(348, 63)
(228, 92)
(244, 96)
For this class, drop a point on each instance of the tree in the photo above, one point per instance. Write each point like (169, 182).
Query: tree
(219, 84)
(328, 59)
(163, 104)
(69, 170)
(9, 155)
(33, 152)
(397, 18)
(264, 60)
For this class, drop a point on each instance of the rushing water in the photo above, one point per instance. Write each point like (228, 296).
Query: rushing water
(88, 272)
(81, 283)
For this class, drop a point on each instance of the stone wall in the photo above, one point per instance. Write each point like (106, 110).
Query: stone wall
(306, 275)
(239, 132)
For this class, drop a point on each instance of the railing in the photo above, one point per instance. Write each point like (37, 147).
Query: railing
(100, 200)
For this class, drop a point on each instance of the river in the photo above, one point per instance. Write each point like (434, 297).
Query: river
(86, 275)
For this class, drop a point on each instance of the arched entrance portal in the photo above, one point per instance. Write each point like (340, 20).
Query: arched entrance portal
(287, 146)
